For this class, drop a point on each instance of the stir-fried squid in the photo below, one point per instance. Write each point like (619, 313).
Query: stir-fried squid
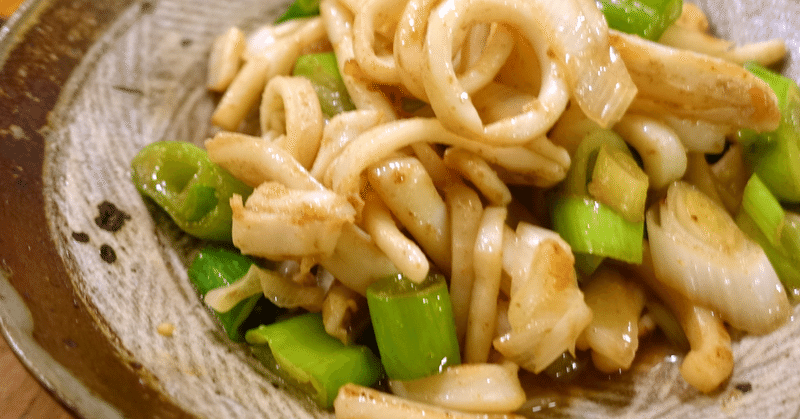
(503, 92)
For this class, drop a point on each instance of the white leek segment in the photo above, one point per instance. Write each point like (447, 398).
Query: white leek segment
(225, 298)
(280, 223)
(698, 250)
(285, 293)
(547, 311)
(277, 288)
(479, 388)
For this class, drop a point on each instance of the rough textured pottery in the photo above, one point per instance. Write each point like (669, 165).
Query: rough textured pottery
(88, 269)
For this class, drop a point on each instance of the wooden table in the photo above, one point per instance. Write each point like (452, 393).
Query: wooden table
(21, 395)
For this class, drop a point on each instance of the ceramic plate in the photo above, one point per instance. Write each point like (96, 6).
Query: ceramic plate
(89, 269)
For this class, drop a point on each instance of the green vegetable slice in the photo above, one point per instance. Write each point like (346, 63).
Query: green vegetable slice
(216, 267)
(775, 156)
(302, 352)
(594, 228)
(414, 326)
(299, 9)
(323, 71)
(193, 190)
(646, 18)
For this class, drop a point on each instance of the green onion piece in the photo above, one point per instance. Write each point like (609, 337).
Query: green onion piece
(775, 156)
(323, 71)
(594, 228)
(646, 18)
(300, 351)
(586, 263)
(619, 183)
(414, 326)
(786, 264)
(583, 161)
(763, 208)
(668, 323)
(300, 9)
(763, 219)
(193, 190)
(216, 267)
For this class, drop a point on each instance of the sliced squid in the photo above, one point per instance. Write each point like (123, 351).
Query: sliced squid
(406, 255)
(339, 25)
(340, 130)
(255, 161)
(479, 173)
(359, 402)
(290, 106)
(407, 190)
(225, 59)
(246, 88)
(697, 86)
(662, 152)
(344, 173)
(308, 223)
(477, 388)
(547, 312)
(613, 334)
(451, 101)
(690, 32)
(709, 361)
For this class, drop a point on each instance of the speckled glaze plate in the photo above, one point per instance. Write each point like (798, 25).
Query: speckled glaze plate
(88, 270)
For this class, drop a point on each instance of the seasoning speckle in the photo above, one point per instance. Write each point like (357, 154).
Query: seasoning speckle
(166, 329)
(110, 217)
(108, 254)
(744, 387)
(80, 237)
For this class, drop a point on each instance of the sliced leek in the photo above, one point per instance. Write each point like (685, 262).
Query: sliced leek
(594, 228)
(698, 250)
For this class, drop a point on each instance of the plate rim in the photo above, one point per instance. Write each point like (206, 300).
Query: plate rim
(29, 253)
